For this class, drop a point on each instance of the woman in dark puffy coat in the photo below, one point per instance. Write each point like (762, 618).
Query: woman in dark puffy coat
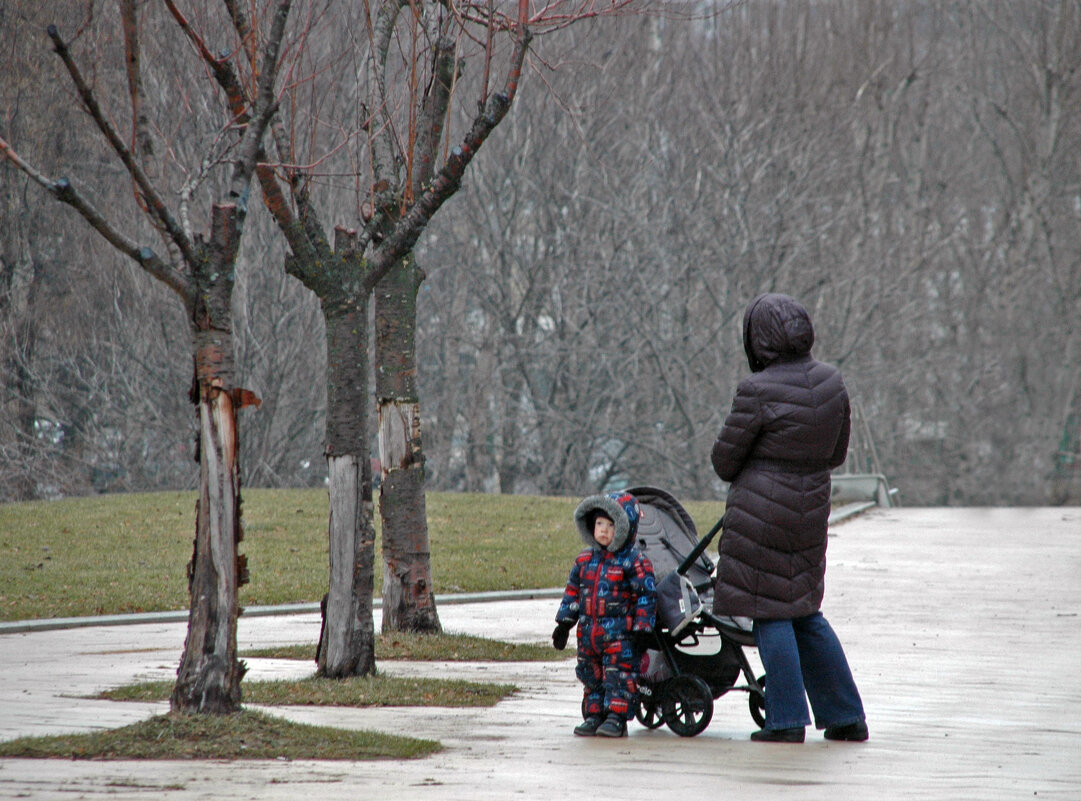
(788, 427)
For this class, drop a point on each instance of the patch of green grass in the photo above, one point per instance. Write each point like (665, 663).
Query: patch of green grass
(245, 735)
(95, 555)
(111, 554)
(358, 691)
(428, 648)
(500, 542)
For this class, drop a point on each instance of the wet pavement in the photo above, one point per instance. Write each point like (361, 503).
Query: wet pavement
(961, 625)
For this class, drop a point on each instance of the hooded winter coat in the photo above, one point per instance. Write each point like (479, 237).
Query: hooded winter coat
(610, 589)
(788, 427)
(612, 596)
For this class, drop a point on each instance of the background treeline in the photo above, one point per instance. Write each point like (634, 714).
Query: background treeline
(910, 170)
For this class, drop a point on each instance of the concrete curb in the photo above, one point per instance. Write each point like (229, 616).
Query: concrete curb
(181, 615)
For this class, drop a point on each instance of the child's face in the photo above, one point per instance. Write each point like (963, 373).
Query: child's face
(604, 530)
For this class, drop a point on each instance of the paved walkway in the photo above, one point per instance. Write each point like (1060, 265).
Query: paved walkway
(962, 627)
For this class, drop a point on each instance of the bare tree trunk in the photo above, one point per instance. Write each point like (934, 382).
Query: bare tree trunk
(510, 463)
(347, 638)
(338, 278)
(408, 599)
(208, 679)
(347, 646)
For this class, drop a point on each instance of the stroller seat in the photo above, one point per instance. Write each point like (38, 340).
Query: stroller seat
(735, 628)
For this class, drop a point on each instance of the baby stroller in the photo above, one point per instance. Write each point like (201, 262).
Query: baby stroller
(696, 655)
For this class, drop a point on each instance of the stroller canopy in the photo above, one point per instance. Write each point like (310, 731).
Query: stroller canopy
(666, 535)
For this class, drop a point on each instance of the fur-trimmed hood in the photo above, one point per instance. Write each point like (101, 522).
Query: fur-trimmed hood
(624, 510)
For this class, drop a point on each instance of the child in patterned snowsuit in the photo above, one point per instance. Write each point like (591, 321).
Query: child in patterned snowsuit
(611, 595)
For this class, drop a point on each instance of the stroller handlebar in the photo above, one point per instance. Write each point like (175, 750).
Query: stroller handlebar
(700, 548)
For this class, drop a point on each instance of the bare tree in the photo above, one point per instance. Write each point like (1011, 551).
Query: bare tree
(342, 275)
(405, 150)
(199, 269)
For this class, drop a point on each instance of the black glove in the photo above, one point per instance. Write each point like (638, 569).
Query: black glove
(559, 635)
(642, 640)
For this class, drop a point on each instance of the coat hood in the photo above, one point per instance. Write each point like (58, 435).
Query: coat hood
(775, 326)
(624, 510)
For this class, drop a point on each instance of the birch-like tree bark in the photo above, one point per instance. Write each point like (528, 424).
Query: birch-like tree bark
(408, 594)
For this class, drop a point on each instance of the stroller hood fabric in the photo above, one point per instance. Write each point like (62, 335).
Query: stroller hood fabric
(667, 534)
(624, 510)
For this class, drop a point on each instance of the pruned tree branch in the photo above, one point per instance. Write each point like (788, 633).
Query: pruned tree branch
(383, 147)
(63, 191)
(142, 143)
(153, 200)
(408, 229)
(222, 68)
(264, 108)
(434, 113)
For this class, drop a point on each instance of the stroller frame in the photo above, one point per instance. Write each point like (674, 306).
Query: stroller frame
(683, 700)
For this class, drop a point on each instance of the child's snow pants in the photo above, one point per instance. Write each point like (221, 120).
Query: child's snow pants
(609, 670)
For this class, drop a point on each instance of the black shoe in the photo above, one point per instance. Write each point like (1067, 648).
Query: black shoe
(588, 727)
(614, 726)
(795, 735)
(852, 733)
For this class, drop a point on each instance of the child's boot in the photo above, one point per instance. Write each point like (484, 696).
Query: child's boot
(588, 727)
(613, 726)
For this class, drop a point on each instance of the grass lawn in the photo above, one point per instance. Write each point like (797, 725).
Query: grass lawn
(111, 554)
(245, 735)
(427, 648)
(358, 691)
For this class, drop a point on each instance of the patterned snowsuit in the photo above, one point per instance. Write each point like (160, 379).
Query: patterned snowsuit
(610, 594)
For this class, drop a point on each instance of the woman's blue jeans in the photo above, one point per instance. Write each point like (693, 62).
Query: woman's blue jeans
(804, 660)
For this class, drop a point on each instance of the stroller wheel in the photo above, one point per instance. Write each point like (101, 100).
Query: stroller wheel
(757, 702)
(687, 705)
(648, 714)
